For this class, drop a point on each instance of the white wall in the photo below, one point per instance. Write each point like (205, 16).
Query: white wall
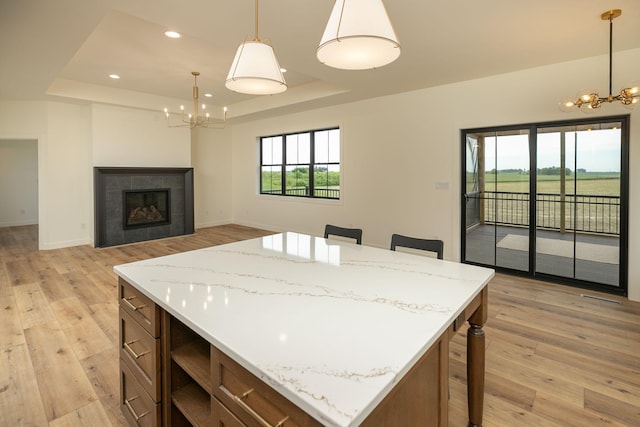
(65, 177)
(396, 149)
(18, 182)
(211, 161)
(131, 137)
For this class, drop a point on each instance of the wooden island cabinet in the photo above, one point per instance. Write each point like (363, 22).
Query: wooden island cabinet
(198, 331)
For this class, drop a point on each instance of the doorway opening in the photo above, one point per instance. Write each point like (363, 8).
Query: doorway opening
(18, 182)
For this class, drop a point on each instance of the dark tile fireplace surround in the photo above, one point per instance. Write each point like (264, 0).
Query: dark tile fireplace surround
(159, 200)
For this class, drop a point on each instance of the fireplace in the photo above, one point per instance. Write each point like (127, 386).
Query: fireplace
(138, 204)
(146, 208)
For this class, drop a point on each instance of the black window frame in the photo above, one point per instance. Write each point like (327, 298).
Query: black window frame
(310, 190)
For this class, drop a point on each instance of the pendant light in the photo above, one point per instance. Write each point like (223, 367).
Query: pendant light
(255, 69)
(358, 36)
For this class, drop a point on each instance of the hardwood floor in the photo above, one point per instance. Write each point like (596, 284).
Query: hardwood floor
(553, 357)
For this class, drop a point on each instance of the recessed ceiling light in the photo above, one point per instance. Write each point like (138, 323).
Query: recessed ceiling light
(283, 70)
(208, 95)
(114, 76)
(172, 34)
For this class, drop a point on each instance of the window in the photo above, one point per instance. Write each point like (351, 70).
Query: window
(286, 161)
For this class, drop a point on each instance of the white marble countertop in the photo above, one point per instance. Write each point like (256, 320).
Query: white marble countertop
(332, 326)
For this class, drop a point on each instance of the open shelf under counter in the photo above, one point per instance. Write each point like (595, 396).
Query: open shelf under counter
(194, 404)
(194, 359)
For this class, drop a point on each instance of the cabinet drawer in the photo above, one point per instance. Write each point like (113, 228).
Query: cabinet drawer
(141, 352)
(140, 307)
(222, 417)
(136, 406)
(251, 400)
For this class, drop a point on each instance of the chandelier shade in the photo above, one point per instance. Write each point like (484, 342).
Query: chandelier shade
(255, 69)
(358, 36)
(196, 118)
(588, 100)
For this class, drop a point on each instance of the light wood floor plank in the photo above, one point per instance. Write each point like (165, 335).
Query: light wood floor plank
(63, 385)
(557, 410)
(590, 378)
(626, 414)
(11, 333)
(33, 307)
(554, 338)
(569, 328)
(54, 285)
(92, 414)
(499, 386)
(20, 272)
(82, 332)
(5, 285)
(103, 371)
(20, 403)
(587, 363)
(107, 281)
(104, 314)
(87, 290)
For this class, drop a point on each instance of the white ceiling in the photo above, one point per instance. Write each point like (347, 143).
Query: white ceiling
(67, 48)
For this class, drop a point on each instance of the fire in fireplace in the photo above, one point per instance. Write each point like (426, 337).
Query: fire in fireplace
(146, 208)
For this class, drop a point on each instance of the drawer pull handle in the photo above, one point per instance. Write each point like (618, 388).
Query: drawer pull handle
(133, 411)
(127, 301)
(127, 345)
(254, 414)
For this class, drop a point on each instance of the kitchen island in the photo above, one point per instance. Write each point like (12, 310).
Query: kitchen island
(292, 329)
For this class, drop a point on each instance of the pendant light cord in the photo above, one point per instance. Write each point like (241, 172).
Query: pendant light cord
(256, 38)
(610, 52)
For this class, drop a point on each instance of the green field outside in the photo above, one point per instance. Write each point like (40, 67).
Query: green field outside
(589, 183)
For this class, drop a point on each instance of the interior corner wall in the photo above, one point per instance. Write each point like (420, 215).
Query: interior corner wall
(211, 161)
(66, 178)
(400, 164)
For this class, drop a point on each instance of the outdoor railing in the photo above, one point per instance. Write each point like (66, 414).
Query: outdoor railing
(580, 212)
(326, 193)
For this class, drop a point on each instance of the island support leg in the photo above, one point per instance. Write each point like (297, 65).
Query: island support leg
(475, 360)
(475, 374)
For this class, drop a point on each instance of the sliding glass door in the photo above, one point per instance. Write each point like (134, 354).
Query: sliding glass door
(496, 198)
(579, 193)
(574, 228)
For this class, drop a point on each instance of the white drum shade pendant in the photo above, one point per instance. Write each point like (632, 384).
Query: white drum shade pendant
(255, 69)
(358, 36)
